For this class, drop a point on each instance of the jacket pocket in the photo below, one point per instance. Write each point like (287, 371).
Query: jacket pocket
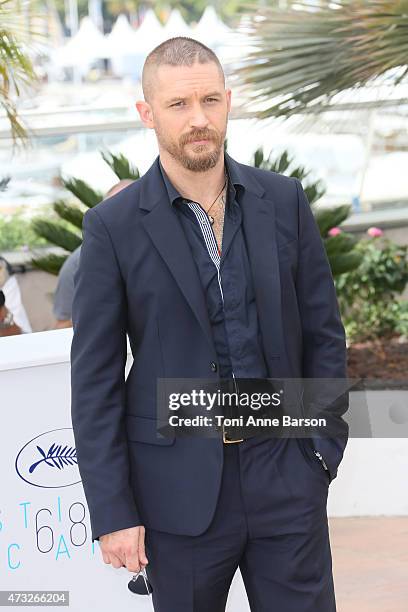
(314, 463)
(144, 429)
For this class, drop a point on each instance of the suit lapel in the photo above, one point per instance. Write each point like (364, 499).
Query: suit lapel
(260, 232)
(259, 223)
(167, 235)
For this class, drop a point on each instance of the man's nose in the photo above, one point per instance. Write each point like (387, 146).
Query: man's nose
(198, 117)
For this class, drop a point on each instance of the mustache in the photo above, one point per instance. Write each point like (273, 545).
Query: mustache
(199, 136)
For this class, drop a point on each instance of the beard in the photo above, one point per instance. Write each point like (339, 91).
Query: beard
(204, 157)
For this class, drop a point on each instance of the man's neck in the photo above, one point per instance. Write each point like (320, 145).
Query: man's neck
(202, 187)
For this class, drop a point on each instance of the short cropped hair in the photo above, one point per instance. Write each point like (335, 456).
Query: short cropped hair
(177, 51)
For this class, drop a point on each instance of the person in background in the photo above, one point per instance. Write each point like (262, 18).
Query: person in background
(7, 325)
(62, 306)
(12, 296)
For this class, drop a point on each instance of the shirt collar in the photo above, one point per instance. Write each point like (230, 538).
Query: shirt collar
(233, 182)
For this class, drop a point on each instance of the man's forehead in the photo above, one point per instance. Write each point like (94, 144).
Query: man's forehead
(198, 75)
(202, 68)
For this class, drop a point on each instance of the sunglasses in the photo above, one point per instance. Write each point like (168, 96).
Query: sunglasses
(140, 583)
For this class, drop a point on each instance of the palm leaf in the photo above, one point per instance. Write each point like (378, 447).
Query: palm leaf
(326, 218)
(50, 263)
(344, 263)
(16, 70)
(56, 234)
(4, 182)
(121, 166)
(340, 244)
(284, 164)
(69, 212)
(302, 58)
(84, 192)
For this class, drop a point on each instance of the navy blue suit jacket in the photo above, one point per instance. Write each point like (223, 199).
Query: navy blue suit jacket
(136, 276)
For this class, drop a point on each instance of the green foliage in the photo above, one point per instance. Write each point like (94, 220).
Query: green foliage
(344, 262)
(284, 164)
(121, 166)
(55, 233)
(50, 263)
(340, 249)
(71, 213)
(16, 231)
(369, 297)
(63, 231)
(378, 320)
(16, 69)
(331, 217)
(400, 318)
(382, 273)
(4, 182)
(340, 243)
(83, 191)
(301, 59)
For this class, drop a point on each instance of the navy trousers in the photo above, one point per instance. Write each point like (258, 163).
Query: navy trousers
(270, 521)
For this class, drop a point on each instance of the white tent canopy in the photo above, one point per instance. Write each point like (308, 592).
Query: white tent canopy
(123, 47)
(150, 33)
(87, 45)
(211, 30)
(127, 48)
(122, 38)
(176, 26)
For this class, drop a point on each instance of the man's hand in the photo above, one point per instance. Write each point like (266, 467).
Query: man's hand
(125, 548)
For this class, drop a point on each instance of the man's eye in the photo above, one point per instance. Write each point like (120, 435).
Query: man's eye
(182, 101)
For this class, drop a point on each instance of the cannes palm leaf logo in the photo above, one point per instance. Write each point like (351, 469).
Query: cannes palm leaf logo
(55, 457)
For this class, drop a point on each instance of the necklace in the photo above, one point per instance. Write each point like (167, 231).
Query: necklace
(211, 218)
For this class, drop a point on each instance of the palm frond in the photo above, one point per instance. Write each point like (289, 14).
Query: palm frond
(16, 70)
(50, 263)
(84, 192)
(285, 164)
(326, 218)
(71, 213)
(301, 58)
(345, 262)
(121, 166)
(342, 243)
(56, 234)
(4, 182)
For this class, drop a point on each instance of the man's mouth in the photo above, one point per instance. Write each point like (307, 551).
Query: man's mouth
(201, 140)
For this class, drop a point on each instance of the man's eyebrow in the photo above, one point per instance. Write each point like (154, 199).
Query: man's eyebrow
(177, 98)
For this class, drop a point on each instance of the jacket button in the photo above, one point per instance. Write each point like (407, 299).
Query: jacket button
(213, 366)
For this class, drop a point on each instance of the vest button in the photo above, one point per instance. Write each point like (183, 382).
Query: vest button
(213, 366)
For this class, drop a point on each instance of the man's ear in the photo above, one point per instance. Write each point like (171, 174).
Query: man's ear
(145, 113)
(228, 94)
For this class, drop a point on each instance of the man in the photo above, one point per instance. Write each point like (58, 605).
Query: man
(215, 270)
(64, 293)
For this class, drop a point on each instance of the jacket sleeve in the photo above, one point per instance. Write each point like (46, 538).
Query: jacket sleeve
(324, 338)
(98, 359)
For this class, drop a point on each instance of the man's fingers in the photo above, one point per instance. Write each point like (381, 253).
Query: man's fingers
(132, 562)
(105, 557)
(116, 562)
(142, 554)
(125, 548)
